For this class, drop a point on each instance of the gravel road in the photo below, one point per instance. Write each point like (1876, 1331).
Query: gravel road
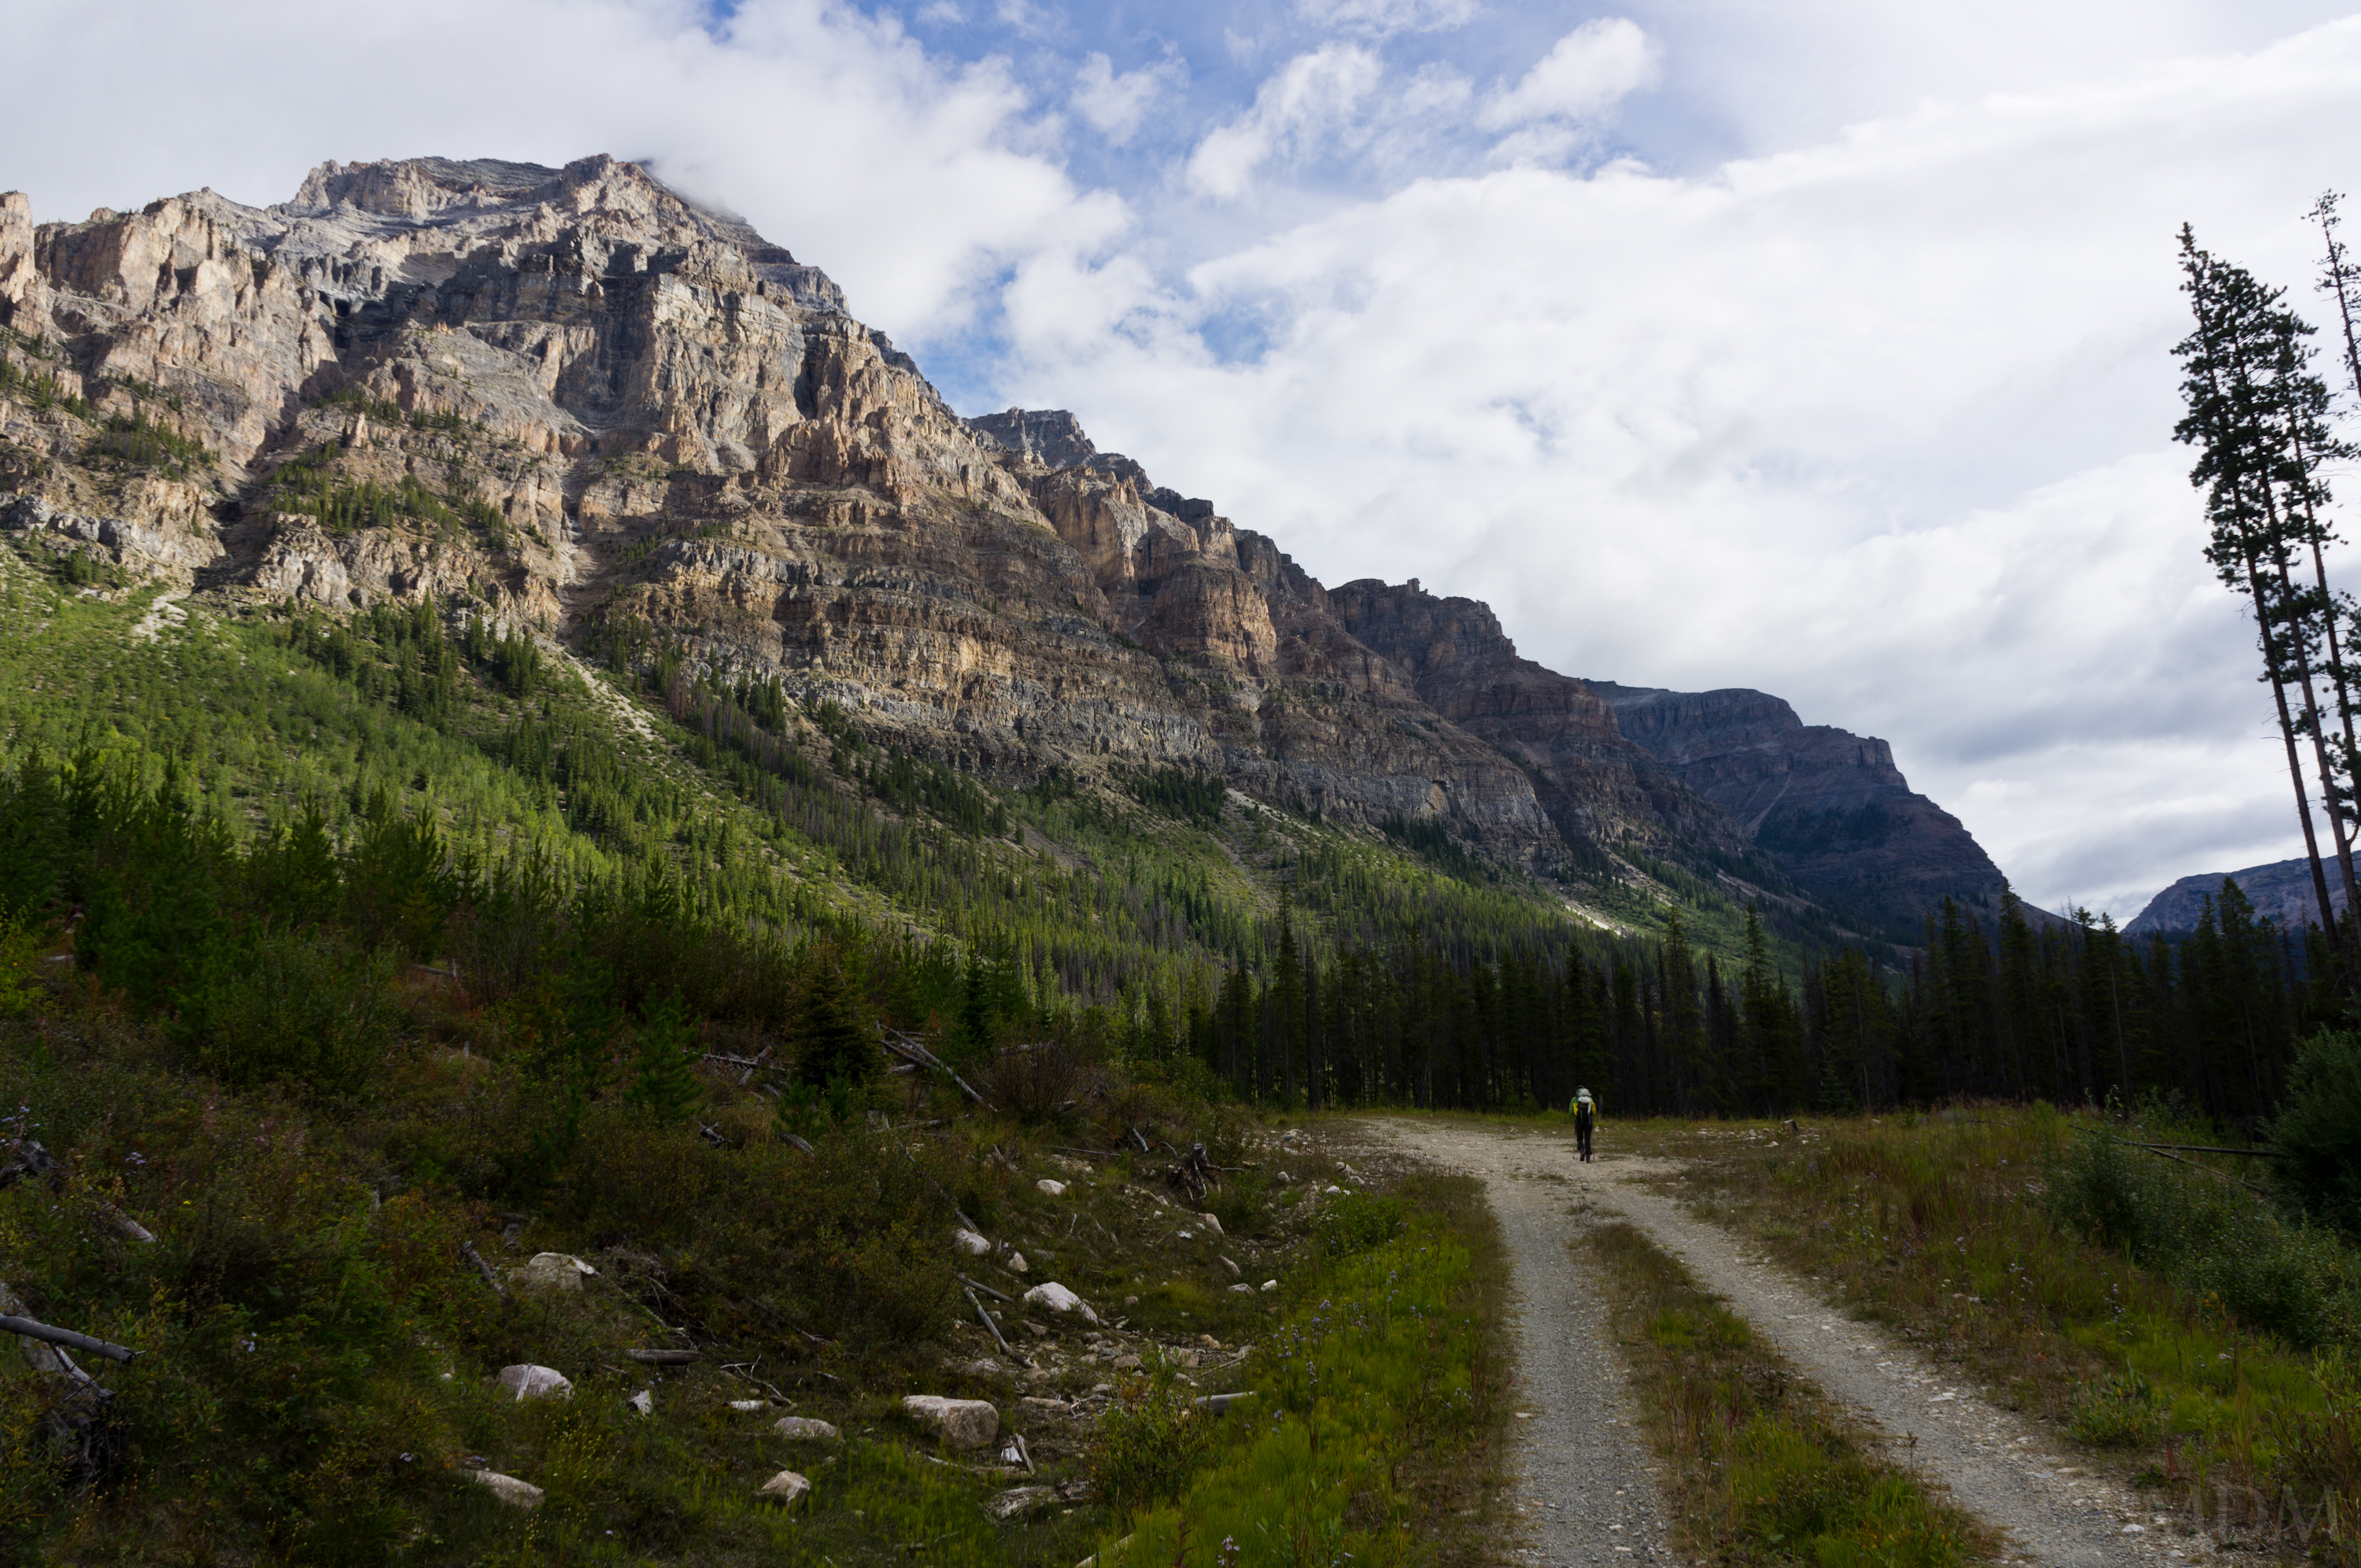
(1582, 1468)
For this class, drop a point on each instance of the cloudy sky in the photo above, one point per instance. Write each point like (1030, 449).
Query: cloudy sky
(1816, 346)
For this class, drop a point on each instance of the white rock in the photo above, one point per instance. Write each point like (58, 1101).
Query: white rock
(509, 1489)
(1017, 1263)
(1230, 1264)
(645, 1401)
(1058, 1298)
(804, 1429)
(1054, 1188)
(551, 1271)
(787, 1489)
(962, 1424)
(748, 1407)
(529, 1382)
(1241, 1289)
(1213, 1225)
(1270, 1284)
(968, 1242)
(1332, 1189)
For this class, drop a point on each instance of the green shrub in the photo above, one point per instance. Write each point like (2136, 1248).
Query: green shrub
(301, 1009)
(20, 951)
(2318, 1135)
(2210, 1236)
(1150, 1443)
(2121, 1411)
(1359, 1222)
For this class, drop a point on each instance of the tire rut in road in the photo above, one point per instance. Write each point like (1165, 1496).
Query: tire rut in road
(2003, 1468)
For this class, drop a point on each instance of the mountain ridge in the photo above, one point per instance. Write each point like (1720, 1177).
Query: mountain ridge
(573, 400)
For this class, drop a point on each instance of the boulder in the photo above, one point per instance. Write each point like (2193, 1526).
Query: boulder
(968, 1242)
(1017, 1263)
(1058, 1298)
(748, 1407)
(1270, 1284)
(645, 1401)
(961, 1423)
(1053, 1188)
(1242, 1290)
(787, 1489)
(804, 1429)
(551, 1271)
(1213, 1227)
(508, 1488)
(531, 1382)
(1016, 1501)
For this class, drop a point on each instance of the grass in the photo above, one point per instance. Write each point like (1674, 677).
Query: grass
(1759, 1466)
(1948, 1230)
(1378, 1410)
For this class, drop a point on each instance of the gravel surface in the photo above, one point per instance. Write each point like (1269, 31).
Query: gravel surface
(1586, 1489)
(2000, 1466)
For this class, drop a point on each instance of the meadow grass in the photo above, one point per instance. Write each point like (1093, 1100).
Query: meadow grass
(1968, 1234)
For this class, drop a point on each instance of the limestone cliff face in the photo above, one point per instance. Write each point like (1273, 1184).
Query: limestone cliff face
(1831, 807)
(571, 399)
(1597, 785)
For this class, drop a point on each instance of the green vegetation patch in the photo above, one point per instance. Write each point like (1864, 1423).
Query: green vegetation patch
(1761, 1467)
(1376, 1403)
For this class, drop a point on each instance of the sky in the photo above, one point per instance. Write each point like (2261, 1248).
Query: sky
(1820, 346)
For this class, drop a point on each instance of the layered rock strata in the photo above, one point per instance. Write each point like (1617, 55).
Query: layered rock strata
(1828, 805)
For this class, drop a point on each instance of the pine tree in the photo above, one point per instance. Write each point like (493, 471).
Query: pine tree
(831, 1049)
(2228, 419)
(663, 1080)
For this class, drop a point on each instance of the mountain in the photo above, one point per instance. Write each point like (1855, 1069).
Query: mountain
(1827, 806)
(2280, 892)
(571, 401)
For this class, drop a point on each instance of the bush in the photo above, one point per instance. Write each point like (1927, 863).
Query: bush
(1150, 1443)
(2212, 1236)
(1359, 1223)
(299, 1009)
(2318, 1135)
(2117, 1412)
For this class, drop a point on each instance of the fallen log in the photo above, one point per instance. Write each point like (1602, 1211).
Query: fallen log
(67, 1337)
(665, 1357)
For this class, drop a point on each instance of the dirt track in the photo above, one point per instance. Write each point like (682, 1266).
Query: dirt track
(1583, 1471)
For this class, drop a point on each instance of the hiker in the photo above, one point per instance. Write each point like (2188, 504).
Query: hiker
(1585, 1115)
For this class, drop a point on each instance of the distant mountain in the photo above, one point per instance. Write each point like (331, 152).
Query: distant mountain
(1830, 806)
(2280, 890)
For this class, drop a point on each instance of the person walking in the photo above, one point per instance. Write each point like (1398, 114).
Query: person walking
(1585, 1117)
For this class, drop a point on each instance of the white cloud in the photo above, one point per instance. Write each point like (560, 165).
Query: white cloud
(1115, 102)
(1382, 17)
(1310, 95)
(1880, 425)
(1587, 72)
(834, 133)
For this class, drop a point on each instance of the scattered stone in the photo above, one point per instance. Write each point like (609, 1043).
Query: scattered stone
(804, 1429)
(1131, 1301)
(1271, 1285)
(551, 1271)
(1058, 1298)
(787, 1489)
(1017, 1263)
(968, 1242)
(1235, 1272)
(1036, 1408)
(1019, 1500)
(961, 1423)
(509, 1489)
(1241, 1289)
(645, 1401)
(1055, 1189)
(985, 1366)
(1213, 1225)
(1333, 1188)
(747, 1407)
(1126, 1364)
(531, 1382)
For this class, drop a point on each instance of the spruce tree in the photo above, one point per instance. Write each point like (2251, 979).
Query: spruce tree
(831, 1049)
(664, 1078)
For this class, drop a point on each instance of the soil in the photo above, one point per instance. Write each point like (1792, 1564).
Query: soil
(1586, 1488)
